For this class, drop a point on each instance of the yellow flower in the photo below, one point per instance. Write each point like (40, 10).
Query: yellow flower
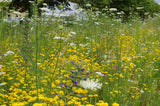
(84, 98)
(57, 81)
(103, 104)
(39, 104)
(106, 83)
(41, 97)
(132, 65)
(115, 104)
(32, 99)
(18, 104)
(89, 105)
(53, 85)
(61, 92)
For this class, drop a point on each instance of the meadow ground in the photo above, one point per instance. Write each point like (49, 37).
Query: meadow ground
(99, 61)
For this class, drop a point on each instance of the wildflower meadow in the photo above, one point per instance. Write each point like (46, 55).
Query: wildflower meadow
(96, 61)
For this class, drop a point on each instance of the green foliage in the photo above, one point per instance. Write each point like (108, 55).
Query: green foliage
(4, 4)
(3, 8)
(127, 6)
(100, 3)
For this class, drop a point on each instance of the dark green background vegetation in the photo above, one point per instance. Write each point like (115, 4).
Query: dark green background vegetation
(127, 6)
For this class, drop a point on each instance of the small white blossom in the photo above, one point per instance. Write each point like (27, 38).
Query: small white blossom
(9, 53)
(99, 73)
(146, 13)
(2, 84)
(86, 37)
(112, 9)
(72, 44)
(83, 45)
(141, 91)
(44, 4)
(45, 9)
(88, 5)
(73, 33)
(90, 84)
(119, 13)
(140, 8)
(1, 66)
(16, 12)
(38, 64)
(1, 73)
(14, 62)
(97, 23)
(5, 0)
(57, 37)
(31, 2)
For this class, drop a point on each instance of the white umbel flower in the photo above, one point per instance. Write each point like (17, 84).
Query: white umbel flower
(90, 84)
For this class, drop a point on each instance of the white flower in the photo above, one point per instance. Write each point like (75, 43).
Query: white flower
(14, 62)
(16, 12)
(83, 45)
(73, 33)
(45, 9)
(90, 84)
(99, 73)
(5, 0)
(38, 64)
(97, 23)
(1, 66)
(57, 37)
(2, 84)
(72, 44)
(1, 73)
(146, 13)
(112, 9)
(44, 4)
(140, 8)
(88, 5)
(31, 2)
(9, 53)
(141, 91)
(86, 37)
(119, 13)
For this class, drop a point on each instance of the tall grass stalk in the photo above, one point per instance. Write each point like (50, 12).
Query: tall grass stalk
(36, 32)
